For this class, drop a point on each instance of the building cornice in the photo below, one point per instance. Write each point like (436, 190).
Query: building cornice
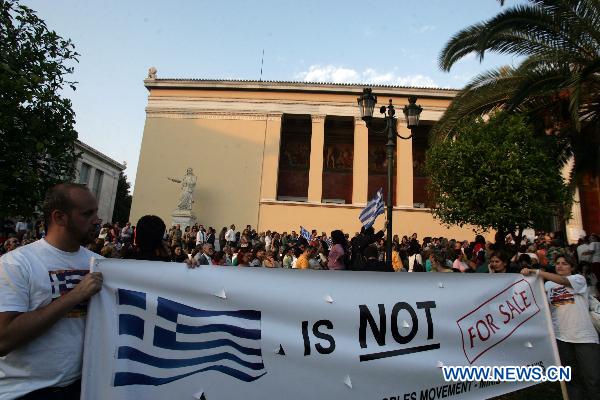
(299, 87)
(211, 108)
(100, 155)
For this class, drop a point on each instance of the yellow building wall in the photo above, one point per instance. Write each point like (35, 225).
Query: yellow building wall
(226, 156)
(325, 218)
(235, 158)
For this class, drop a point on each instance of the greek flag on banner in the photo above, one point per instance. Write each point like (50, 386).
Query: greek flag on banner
(304, 233)
(374, 208)
(164, 341)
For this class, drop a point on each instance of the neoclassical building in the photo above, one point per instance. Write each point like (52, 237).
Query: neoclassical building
(280, 155)
(101, 174)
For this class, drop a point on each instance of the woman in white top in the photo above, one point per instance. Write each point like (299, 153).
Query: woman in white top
(576, 337)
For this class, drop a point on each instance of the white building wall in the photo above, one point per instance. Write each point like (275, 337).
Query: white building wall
(108, 189)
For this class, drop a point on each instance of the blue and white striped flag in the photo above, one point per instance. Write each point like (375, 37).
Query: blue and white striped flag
(161, 341)
(305, 234)
(374, 208)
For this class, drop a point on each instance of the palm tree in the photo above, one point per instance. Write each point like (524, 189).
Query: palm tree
(557, 84)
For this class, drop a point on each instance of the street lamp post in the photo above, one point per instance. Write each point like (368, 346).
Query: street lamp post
(412, 111)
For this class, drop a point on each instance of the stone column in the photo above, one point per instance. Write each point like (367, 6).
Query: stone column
(315, 174)
(404, 168)
(270, 166)
(574, 226)
(360, 169)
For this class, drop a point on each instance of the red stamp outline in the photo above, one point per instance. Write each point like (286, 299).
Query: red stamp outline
(510, 333)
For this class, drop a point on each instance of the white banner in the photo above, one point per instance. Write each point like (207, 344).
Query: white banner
(163, 331)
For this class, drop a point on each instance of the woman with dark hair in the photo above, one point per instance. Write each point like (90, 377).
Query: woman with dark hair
(178, 254)
(244, 257)
(335, 259)
(576, 337)
(414, 257)
(219, 258)
(222, 240)
(149, 244)
(499, 262)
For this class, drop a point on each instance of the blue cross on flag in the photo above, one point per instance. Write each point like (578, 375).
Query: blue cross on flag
(374, 208)
(164, 341)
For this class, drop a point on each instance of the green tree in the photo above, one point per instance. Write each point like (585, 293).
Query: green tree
(557, 83)
(122, 201)
(496, 174)
(36, 124)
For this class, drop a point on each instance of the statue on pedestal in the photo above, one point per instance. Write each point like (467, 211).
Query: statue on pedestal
(188, 184)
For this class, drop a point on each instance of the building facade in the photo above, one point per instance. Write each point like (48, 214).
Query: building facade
(101, 174)
(280, 155)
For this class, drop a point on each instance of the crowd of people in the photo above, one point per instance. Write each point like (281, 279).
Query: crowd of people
(32, 251)
(364, 251)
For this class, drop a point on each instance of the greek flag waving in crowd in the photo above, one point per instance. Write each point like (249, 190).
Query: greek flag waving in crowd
(181, 341)
(374, 208)
(304, 233)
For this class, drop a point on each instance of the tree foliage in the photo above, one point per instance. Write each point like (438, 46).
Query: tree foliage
(122, 201)
(36, 123)
(496, 174)
(557, 83)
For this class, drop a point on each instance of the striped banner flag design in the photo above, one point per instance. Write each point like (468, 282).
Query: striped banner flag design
(164, 341)
(374, 208)
(305, 234)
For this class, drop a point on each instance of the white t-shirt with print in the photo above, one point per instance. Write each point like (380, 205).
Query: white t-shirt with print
(595, 246)
(31, 277)
(570, 311)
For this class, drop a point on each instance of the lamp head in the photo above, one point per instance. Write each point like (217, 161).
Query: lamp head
(366, 104)
(412, 112)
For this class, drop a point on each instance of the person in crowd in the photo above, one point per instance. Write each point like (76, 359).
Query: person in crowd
(271, 261)
(288, 258)
(414, 257)
(109, 251)
(210, 236)
(10, 244)
(595, 247)
(303, 259)
(149, 244)
(244, 241)
(373, 263)
(126, 233)
(222, 240)
(500, 262)
(219, 258)
(104, 231)
(205, 258)
(318, 261)
(259, 257)
(178, 255)
(35, 321)
(176, 235)
(524, 261)
(460, 261)
(337, 254)
(396, 260)
(244, 257)
(576, 337)
(200, 236)
(438, 262)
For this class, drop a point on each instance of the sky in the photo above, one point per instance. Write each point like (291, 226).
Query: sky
(395, 42)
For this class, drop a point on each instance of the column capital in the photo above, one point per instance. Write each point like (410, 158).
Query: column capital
(318, 118)
(358, 121)
(274, 116)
